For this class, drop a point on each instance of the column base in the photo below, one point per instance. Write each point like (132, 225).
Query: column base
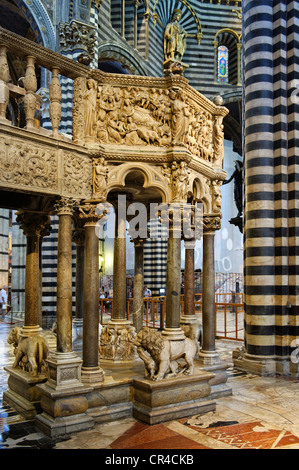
(211, 362)
(208, 358)
(173, 334)
(63, 397)
(64, 370)
(256, 364)
(92, 376)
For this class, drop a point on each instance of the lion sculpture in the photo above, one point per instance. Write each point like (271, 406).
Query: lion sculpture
(30, 352)
(160, 355)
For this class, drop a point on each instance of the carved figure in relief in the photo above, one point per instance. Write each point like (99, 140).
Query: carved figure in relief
(160, 355)
(180, 118)
(30, 353)
(216, 196)
(218, 139)
(132, 137)
(100, 176)
(175, 38)
(180, 180)
(90, 102)
(117, 343)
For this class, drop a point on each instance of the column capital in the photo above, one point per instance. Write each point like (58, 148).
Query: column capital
(89, 214)
(65, 206)
(34, 224)
(211, 223)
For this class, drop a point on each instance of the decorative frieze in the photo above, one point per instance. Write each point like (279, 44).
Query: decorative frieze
(146, 114)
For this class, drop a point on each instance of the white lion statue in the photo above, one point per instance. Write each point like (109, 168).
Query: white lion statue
(160, 355)
(31, 352)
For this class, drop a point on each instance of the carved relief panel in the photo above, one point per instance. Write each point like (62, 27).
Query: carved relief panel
(141, 115)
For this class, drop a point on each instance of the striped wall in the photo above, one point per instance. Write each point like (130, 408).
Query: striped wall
(4, 239)
(155, 258)
(271, 177)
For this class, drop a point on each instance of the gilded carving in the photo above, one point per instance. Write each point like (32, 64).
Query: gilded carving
(175, 38)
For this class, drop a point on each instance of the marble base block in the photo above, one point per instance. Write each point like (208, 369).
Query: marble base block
(23, 394)
(174, 398)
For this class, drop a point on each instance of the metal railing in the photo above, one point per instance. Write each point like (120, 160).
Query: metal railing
(229, 313)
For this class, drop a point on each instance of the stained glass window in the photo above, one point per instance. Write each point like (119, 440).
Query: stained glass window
(222, 64)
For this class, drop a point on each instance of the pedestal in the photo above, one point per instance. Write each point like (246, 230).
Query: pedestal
(23, 394)
(174, 398)
(64, 401)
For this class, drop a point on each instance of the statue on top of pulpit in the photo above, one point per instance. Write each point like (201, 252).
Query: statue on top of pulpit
(174, 38)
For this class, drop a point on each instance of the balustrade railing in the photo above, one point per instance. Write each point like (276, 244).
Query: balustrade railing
(25, 90)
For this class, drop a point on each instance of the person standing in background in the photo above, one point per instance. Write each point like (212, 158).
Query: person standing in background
(3, 300)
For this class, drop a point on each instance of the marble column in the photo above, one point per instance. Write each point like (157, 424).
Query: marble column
(208, 354)
(116, 346)
(189, 321)
(34, 225)
(63, 400)
(119, 271)
(172, 329)
(64, 357)
(79, 239)
(91, 371)
(138, 291)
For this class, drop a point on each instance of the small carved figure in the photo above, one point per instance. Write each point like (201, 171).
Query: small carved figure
(180, 181)
(174, 38)
(100, 175)
(90, 102)
(160, 355)
(34, 348)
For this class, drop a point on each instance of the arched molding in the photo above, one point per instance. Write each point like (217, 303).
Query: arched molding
(200, 188)
(40, 22)
(230, 31)
(116, 52)
(221, 39)
(152, 178)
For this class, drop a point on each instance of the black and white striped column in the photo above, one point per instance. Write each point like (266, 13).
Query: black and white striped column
(270, 29)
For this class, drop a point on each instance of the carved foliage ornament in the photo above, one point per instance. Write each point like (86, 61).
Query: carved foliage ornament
(28, 165)
(77, 175)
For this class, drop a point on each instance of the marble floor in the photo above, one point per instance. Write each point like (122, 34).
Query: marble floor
(262, 413)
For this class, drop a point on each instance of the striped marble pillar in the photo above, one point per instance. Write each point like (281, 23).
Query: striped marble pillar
(271, 86)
